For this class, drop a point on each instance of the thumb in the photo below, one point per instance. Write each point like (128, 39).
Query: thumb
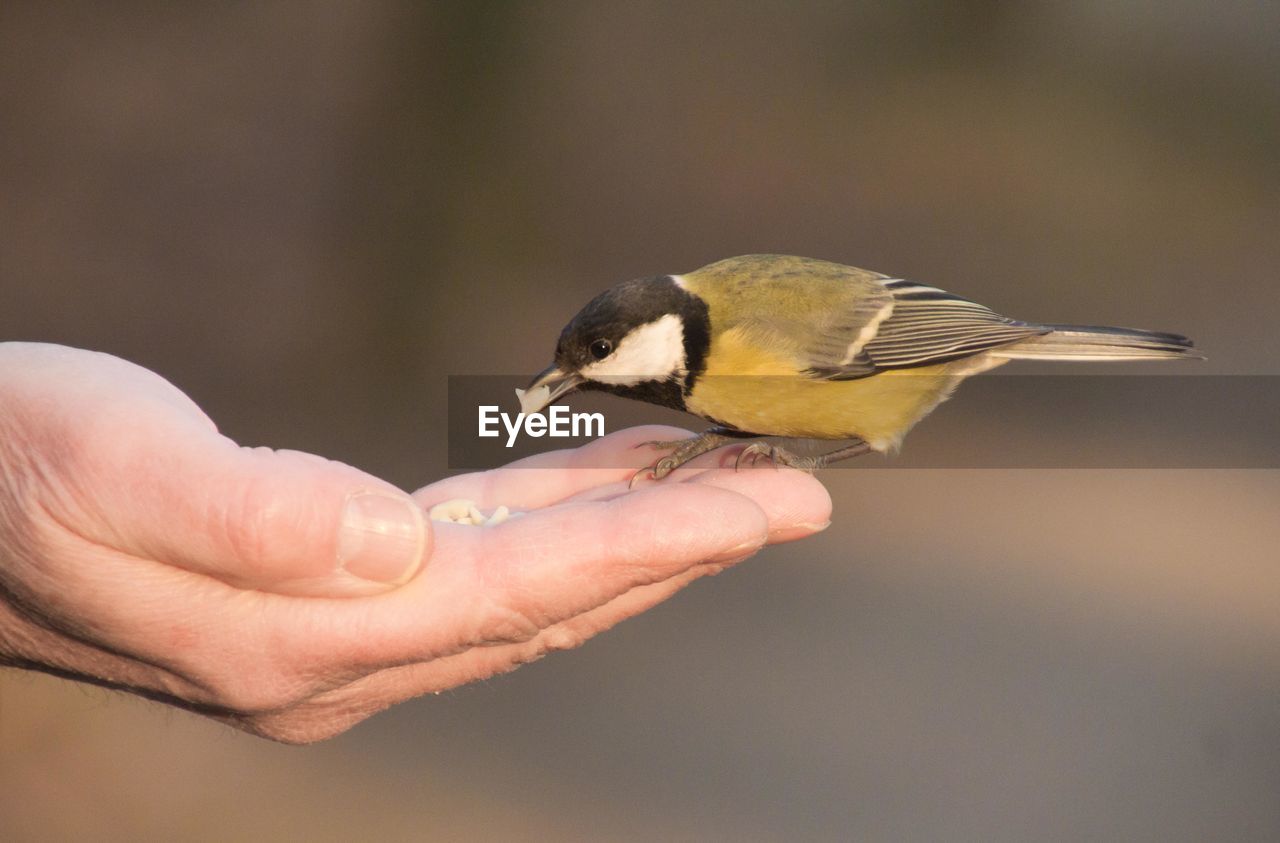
(280, 521)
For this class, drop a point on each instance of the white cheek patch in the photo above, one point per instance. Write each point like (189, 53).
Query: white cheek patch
(651, 352)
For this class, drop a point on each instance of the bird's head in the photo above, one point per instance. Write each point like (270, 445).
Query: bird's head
(640, 339)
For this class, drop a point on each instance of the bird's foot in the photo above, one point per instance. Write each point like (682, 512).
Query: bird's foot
(682, 451)
(778, 455)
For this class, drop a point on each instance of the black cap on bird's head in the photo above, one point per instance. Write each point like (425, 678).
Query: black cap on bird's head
(642, 339)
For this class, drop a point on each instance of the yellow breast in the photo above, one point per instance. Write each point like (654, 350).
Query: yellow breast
(758, 387)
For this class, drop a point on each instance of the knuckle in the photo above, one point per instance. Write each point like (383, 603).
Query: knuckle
(559, 638)
(252, 524)
(509, 611)
(504, 625)
(553, 639)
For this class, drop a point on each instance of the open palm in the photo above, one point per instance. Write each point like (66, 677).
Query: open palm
(293, 596)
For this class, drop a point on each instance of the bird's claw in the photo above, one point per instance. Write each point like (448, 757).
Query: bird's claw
(665, 466)
(756, 451)
(753, 452)
(681, 452)
(657, 471)
(661, 444)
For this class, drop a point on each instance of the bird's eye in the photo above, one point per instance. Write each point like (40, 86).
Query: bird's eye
(601, 349)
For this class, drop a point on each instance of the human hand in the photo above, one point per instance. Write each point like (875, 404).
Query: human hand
(292, 596)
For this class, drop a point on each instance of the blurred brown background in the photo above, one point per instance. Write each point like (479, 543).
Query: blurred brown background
(308, 215)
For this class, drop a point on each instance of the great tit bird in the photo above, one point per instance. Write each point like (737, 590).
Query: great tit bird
(773, 345)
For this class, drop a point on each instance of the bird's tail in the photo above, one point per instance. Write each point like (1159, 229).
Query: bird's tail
(1097, 342)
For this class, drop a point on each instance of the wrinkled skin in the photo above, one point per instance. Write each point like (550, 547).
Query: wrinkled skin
(142, 550)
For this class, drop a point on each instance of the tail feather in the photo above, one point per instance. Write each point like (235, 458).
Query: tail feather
(1098, 342)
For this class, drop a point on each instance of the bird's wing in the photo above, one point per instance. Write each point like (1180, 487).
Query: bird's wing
(904, 325)
(813, 313)
(838, 336)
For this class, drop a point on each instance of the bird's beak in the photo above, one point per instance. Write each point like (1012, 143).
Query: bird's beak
(547, 388)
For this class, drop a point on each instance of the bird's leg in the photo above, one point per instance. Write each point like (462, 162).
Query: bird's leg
(684, 450)
(781, 456)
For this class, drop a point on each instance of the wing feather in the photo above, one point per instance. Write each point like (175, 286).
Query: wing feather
(840, 322)
(923, 326)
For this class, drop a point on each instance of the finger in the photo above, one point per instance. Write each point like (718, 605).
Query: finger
(123, 459)
(548, 478)
(795, 502)
(572, 558)
(634, 482)
(560, 562)
(485, 587)
(507, 583)
(284, 521)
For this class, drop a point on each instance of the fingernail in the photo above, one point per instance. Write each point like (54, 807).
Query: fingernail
(383, 537)
(737, 553)
(798, 530)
